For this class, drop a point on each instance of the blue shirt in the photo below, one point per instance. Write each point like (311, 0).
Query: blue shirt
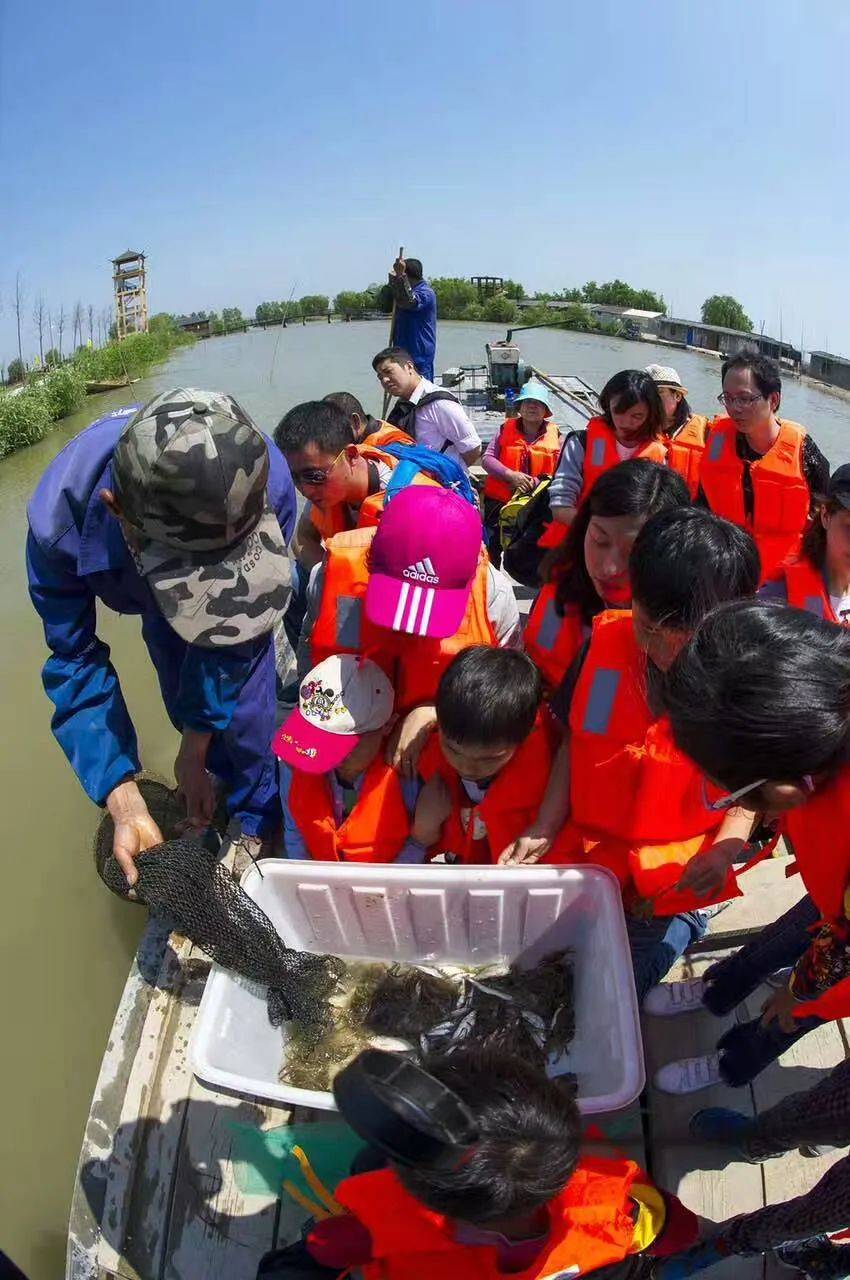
(76, 555)
(416, 328)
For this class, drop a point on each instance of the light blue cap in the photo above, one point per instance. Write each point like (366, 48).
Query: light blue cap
(534, 390)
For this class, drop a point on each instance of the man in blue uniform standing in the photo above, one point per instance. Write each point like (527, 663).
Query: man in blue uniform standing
(415, 314)
(180, 512)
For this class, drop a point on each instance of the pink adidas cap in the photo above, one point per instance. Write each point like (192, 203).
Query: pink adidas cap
(423, 562)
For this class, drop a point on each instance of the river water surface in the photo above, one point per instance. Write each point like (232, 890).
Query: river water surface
(66, 944)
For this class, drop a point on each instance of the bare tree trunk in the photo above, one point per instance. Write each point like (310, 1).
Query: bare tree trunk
(38, 316)
(78, 325)
(19, 306)
(60, 325)
(91, 324)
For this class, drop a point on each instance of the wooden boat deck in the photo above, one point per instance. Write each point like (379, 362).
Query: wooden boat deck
(156, 1197)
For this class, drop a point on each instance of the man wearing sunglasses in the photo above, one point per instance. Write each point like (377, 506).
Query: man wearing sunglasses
(758, 470)
(343, 481)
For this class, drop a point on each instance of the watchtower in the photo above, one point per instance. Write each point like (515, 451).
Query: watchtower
(129, 279)
(487, 285)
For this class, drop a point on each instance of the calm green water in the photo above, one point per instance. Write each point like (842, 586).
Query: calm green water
(65, 943)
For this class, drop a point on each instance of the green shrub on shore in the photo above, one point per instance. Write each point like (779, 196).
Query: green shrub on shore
(24, 419)
(26, 416)
(64, 389)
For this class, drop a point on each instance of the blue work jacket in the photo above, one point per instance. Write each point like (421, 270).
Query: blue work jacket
(76, 555)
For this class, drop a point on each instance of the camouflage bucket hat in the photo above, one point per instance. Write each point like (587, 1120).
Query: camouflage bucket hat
(190, 472)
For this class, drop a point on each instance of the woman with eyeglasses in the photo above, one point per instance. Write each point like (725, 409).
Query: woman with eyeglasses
(636, 803)
(760, 700)
(684, 429)
(818, 579)
(758, 470)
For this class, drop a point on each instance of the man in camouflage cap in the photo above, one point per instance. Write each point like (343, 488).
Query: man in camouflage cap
(179, 511)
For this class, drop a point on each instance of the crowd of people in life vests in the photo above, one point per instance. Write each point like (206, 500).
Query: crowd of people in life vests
(678, 697)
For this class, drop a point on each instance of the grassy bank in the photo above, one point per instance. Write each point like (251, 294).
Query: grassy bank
(26, 416)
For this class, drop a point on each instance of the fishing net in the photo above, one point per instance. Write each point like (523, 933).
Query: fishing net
(182, 881)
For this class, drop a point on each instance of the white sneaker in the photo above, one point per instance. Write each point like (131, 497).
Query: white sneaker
(670, 998)
(689, 1075)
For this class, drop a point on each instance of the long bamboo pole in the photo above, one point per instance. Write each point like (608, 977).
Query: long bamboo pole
(386, 403)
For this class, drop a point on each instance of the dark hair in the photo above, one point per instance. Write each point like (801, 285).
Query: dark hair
(762, 691)
(315, 422)
(683, 412)
(528, 1147)
(347, 402)
(814, 539)
(397, 355)
(764, 370)
(631, 387)
(413, 268)
(488, 695)
(686, 562)
(633, 488)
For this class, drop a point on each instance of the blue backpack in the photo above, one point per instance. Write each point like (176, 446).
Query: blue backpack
(414, 458)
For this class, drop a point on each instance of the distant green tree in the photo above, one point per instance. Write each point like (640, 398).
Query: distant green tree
(498, 307)
(472, 311)
(16, 371)
(232, 318)
(52, 358)
(512, 289)
(162, 322)
(291, 309)
(352, 303)
(723, 309)
(269, 313)
(314, 304)
(453, 294)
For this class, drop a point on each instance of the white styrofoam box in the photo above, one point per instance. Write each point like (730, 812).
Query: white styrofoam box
(449, 914)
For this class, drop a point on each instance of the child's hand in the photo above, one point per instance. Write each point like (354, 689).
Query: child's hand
(707, 871)
(408, 739)
(530, 847)
(432, 808)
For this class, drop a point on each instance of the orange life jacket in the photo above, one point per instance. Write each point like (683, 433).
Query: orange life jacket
(600, 455)
(601, 452)
(338, 519)
(413, 664)
(509, 805)
(535, 458)
(386, 433)
(590, 1227)
(685, 450)
(819, 831)
(374, 831)
(631, 788)
(806, 589)
(781, 496)
(552, 641)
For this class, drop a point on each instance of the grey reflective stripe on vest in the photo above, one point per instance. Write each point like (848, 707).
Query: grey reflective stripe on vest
(597, 455)
(715, 446)
(348, 613)
(814, 604)
(600, 702)
(550, 628)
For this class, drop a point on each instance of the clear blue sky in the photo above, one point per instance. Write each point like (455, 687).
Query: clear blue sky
(689, 147)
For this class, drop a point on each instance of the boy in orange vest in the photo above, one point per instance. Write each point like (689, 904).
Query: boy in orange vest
(476, 1174)
(486, 767)
(341, 800)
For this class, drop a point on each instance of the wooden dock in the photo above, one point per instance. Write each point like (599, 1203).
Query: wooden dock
(156, 1196)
